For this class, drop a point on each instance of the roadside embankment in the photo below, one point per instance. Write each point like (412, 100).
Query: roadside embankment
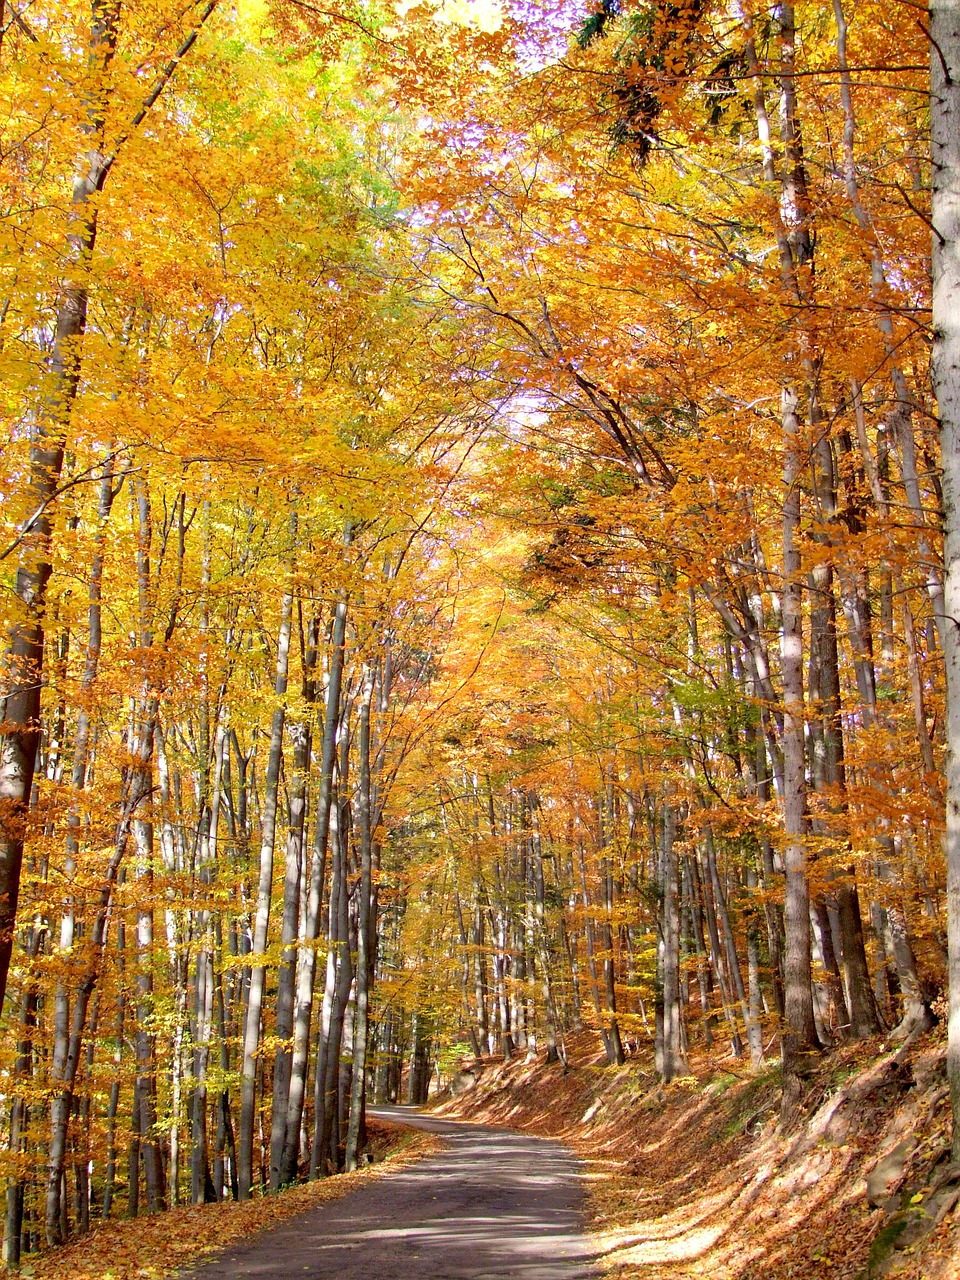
(699, 1178)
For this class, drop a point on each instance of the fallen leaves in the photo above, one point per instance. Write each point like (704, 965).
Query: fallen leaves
(159, 1246)
(702, 1184)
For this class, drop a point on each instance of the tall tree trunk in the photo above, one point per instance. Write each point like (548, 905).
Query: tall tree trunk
(20, 709)
(113, 1105)
(144, 1040)
(671, 1062)
(20, 704)
(307, 959)
(81, 756)
(365, 926)
(754, 1030)
(268, 834)
(945, 370)
(19, 1111)
(143, 832)
(541, 940)
(799, 1034)
(292, 881)
(136, 790)
(339, 979)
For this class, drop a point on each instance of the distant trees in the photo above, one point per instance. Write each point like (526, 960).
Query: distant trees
(723, 332)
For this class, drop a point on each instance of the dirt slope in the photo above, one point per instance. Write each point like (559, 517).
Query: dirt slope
(699, 1179)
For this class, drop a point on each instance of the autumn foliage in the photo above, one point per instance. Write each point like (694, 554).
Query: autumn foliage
(471, 558)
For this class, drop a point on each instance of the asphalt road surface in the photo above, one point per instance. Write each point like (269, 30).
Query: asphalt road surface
(495, 1205)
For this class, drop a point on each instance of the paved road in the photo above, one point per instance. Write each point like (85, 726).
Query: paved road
(495, 1205)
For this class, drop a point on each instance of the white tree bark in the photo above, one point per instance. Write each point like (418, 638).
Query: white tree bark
(268, 835)
(945, 371)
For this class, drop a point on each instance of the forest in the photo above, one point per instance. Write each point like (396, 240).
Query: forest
(480, 561)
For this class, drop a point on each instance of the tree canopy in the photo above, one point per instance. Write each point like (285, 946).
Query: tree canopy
(473, 561)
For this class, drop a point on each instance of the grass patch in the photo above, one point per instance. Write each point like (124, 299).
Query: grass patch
(754, 1096)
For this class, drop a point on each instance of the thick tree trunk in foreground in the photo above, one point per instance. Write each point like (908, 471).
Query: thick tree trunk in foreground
(799, 1034)
(20, 706)
(23, 666)
(945, 138)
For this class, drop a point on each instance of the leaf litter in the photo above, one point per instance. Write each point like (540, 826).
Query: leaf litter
(162, 1245)
(699, 1179)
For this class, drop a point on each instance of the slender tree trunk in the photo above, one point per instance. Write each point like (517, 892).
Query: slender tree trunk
(113, 1106)
(144, 1041)
(268, 834)
(64, 1070)
(307, 959)
(542, 941)
(796, 251)
(19, 1110)
(293, 877)
(671, 1052)
(606, 822)
(753, 1028)
(855, 1004)
(339, 980)
(365, 925)
(202, 1189)
(718, 958)
(143, 833)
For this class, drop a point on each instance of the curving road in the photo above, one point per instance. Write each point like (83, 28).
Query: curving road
(495, 1205)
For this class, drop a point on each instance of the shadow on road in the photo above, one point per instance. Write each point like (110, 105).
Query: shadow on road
(494, 1205)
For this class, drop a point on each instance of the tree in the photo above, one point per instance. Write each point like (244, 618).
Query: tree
(945, 363)
(100, 136)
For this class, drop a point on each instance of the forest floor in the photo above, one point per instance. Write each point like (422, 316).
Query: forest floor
(693, 1180)
(162, 1245)
(699, 1179)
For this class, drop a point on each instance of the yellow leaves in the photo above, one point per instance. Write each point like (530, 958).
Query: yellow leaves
(475, 15)
(479, 15)
(252, 13)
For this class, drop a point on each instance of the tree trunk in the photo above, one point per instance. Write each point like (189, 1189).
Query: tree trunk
(268, 833)
(20, 706)
(64, 1069)
(945, 371)
(339, 980)
(799, 1034)
(365, 926)
(20, 710)
(668, 952)
(307, 959)
(293, 877)
(144, 1041)
(19, 1111)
